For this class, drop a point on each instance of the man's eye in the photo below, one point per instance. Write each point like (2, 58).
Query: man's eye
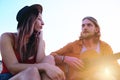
(89, 24)
(83, 25)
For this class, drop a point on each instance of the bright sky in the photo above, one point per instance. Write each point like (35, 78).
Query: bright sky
(62, 19)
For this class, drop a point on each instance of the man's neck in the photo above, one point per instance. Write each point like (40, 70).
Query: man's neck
(89, 43)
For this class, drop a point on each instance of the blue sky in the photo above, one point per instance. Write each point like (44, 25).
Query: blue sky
(62, 19)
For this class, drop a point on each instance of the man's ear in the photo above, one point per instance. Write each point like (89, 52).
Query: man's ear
(96, 29)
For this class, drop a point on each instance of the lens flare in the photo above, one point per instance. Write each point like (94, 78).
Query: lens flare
(107, 71)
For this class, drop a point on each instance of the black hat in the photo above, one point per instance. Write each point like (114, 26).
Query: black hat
(25, 11)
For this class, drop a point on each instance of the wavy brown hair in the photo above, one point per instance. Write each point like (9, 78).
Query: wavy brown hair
(27, 43)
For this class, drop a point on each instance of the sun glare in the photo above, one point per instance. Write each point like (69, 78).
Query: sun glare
(118, 61)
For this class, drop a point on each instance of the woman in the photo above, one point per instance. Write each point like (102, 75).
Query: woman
(23, 53)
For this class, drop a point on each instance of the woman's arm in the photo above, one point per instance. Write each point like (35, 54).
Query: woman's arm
(10, 59)
(14, 66)
(41, 48)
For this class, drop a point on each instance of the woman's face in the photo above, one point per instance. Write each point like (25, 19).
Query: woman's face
(38, 23)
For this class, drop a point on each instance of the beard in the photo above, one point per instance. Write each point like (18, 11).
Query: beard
(87, 35)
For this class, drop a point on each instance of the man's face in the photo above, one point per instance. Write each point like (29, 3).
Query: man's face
(88, 29)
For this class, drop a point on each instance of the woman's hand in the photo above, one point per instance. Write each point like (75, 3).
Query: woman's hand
(54, 72)
(74, 62)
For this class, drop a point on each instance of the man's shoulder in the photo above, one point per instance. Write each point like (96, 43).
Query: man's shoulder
(76, 42)
(103, 42)
(105, 45)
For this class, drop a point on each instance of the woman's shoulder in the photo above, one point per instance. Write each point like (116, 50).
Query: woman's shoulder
(7, 36)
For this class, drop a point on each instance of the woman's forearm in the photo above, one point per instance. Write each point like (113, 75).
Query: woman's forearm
(18, 67)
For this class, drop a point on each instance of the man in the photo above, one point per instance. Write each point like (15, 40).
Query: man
(75, 57)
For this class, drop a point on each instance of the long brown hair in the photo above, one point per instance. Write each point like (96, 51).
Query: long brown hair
(27, 43)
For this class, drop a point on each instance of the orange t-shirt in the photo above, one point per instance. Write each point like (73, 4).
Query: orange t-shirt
(74, 49)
